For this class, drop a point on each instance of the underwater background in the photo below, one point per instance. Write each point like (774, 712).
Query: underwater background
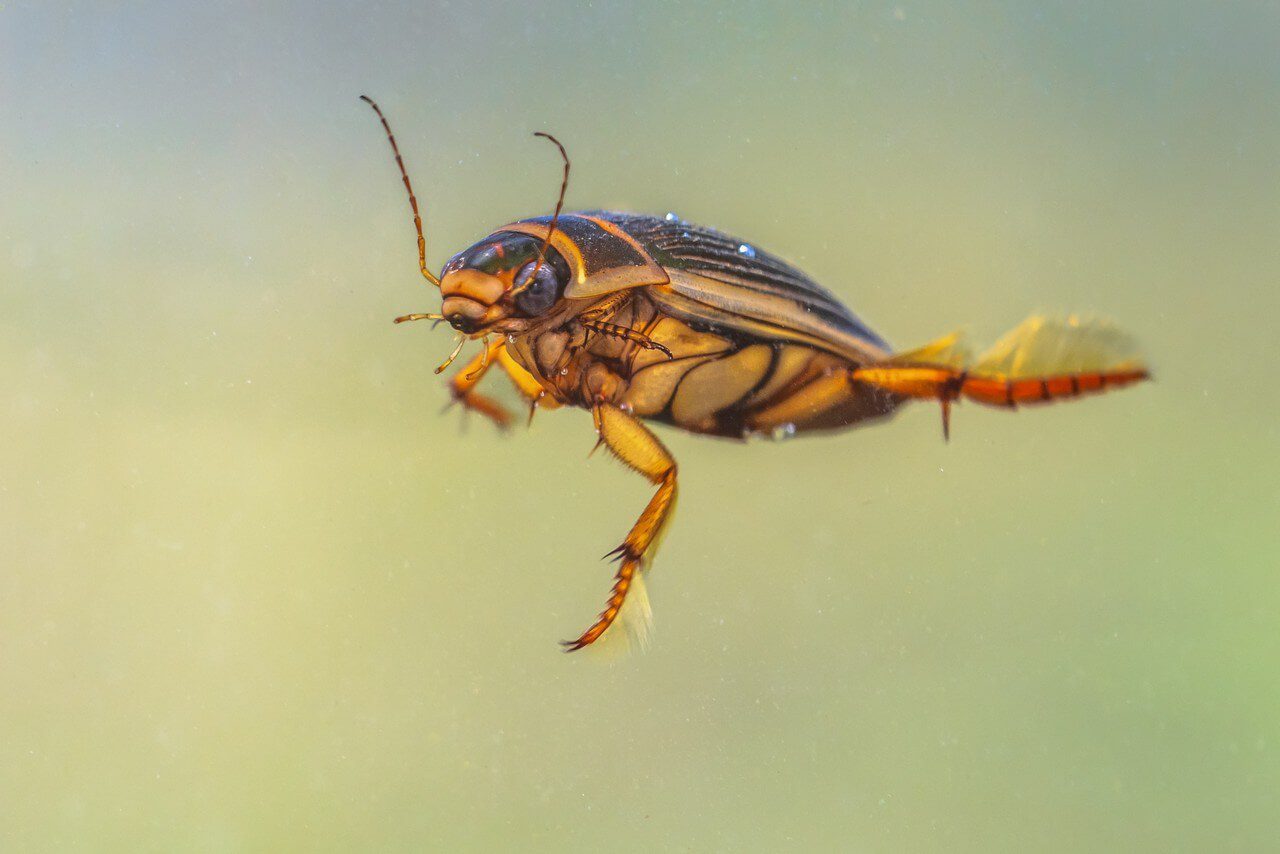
(258, 593)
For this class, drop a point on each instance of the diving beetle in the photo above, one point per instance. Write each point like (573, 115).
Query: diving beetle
(644, 318)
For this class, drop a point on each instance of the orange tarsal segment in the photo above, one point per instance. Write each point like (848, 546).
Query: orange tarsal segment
(633, 444)
(612, 608)
(945, 384)
(995, 391)
(632, 555)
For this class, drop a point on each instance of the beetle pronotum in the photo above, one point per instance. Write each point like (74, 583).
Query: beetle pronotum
(642, 318)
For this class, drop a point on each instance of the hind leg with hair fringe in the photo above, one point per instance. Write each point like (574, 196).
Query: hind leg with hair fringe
(1040, 361)
(633, 444)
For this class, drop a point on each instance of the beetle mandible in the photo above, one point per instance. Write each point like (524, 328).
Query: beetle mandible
(642, 318)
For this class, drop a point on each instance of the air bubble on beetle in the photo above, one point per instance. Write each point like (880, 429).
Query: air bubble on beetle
(746, 250)
(783, 431)
(564, 372)
(626, 407)
(672, 216)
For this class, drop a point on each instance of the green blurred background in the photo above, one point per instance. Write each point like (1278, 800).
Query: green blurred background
(257, 593)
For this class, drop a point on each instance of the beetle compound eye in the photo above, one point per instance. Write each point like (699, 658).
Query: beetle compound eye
(535, 297)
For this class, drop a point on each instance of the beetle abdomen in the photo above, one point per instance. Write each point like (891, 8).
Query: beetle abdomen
(724, 384)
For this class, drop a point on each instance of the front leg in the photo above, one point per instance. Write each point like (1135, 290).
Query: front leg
(596, 319)
(626, 333)
(462, 385)
(632, 443)
(534, 393)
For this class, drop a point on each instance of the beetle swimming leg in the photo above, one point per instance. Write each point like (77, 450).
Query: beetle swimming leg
(640, 450)
(529, 387)
(462, 386)
(1040, 361)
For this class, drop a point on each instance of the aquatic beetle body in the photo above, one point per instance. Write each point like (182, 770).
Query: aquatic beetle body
(642, 318)
(692, 332)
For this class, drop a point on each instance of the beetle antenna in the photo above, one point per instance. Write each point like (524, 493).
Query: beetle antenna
(555, 218)
(413, 201)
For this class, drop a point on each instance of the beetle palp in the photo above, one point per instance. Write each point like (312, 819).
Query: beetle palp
(462, 339)
(407, 317)
(484, 359)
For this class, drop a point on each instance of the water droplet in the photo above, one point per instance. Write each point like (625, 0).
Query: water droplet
(626, 407)
(783, 431)
(746, 250)
(672, 216)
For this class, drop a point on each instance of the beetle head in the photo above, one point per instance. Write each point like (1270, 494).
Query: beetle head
(499, 284)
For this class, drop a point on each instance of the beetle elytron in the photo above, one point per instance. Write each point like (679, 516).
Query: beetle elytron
(650, 318)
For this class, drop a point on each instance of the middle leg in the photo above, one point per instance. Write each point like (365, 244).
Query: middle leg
(641, 451)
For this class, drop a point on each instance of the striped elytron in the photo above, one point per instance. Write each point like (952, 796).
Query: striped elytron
(651, 318)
